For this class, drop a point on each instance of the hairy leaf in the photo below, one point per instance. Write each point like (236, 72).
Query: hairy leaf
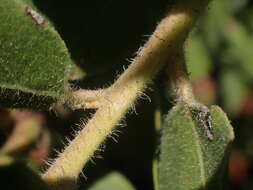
(189, 160)
(34, 61)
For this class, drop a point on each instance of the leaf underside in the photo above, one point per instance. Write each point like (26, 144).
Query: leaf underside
(188, 159)
(34, 61)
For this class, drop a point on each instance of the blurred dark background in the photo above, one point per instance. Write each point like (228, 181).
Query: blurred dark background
(101, 35)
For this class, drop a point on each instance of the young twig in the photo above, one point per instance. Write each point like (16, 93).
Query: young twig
(87, 99)
(179, 82)
(181, 88)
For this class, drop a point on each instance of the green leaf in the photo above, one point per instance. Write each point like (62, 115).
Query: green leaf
(188, 159)
(213, 23)
(233, 91)
(198, 60)
(237, 6)
(240, 48)
(112, 181)
(34, 61)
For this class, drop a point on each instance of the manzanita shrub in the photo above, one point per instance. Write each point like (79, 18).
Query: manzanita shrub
(51, 52)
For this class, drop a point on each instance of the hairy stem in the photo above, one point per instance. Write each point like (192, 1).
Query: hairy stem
(87, 99)
(168, 36)
(179, 82)
(180, 85)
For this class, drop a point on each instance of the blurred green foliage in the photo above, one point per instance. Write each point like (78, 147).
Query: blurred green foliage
(221, 46)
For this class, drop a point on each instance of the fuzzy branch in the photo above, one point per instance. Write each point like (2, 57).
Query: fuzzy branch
(179, 82)
(87, 99)
(182, 91)
(167, 38)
